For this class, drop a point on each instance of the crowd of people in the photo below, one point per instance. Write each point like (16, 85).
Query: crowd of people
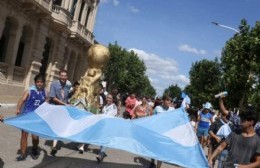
(231, 137)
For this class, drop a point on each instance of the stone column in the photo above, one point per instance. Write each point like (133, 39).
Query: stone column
(73, 62)
(39, 42)
(92, 19)
(77, 73)
(70, 5)
(12, 48)
(66, 5)
(76, 14)
(66, 62)
(84, 14)
(37, 49)
(58, 54)
(63, 2)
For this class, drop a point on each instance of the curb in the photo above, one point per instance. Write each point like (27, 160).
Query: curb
(7, 105)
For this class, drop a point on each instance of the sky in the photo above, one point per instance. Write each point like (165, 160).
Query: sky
(171, 35)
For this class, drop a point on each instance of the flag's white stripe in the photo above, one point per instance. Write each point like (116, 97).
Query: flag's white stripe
(183, 135)
(67, 126)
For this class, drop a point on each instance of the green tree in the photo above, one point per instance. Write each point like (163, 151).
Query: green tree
(204, 82)
(240, 62)
(126, 72)
(173, 91)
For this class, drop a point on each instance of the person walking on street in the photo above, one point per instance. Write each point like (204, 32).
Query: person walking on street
(59, 95)
(204, 120)
(31, 99)
(109, 109)
(244, 148)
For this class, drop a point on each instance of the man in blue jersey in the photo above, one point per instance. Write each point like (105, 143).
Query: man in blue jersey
(59, 95)
(205, 118)
(31, 99)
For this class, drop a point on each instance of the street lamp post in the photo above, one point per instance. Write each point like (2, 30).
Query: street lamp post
(227, 27)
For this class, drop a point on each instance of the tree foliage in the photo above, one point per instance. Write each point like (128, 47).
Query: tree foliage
(173, 91)
(126, 72)
(240, 62)
(204, 81)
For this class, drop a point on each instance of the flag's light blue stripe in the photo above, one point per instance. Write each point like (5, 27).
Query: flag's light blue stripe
(161, 123)
(144, 137)
(32, 123)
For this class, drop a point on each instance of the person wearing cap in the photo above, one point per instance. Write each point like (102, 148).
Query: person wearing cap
(205, 118)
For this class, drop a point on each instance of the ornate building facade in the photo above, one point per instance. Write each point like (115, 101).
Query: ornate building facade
(43, 36)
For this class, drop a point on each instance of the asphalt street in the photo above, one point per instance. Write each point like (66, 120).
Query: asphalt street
(67, 156)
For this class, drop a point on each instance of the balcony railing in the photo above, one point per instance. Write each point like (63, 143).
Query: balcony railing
(79, 29)
(45, 3)
(61, 15)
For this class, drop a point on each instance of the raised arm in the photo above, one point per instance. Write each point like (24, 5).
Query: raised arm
(222, 106)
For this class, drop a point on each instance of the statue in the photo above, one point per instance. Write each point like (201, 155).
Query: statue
(87, 94)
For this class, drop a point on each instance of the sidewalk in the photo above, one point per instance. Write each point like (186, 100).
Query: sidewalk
(8, 101)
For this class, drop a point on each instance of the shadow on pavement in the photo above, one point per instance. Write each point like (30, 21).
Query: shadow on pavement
(1, 162)
(70, 162)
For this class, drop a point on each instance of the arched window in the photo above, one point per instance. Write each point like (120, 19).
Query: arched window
(4, 40)
(24, 46)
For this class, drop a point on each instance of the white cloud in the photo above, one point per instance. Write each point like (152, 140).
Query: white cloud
(187, 48)
(103, 1)
(115, 2)
(133, 9)
(162, 72)
(217, 54)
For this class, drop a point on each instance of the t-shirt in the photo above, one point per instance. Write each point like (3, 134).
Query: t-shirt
(241, 149)
(204, 120)
(214, 127)
(160, 109)
(59, 91)
(34, 100)
(110, 110)
(130, 104)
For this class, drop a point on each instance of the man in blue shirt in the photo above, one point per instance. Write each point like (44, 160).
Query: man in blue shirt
(59, 95)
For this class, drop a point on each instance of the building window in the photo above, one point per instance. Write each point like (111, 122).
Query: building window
(19, 55)
(2, 44)
(4, 40)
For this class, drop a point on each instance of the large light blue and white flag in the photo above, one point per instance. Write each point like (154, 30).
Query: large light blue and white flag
(167, 137)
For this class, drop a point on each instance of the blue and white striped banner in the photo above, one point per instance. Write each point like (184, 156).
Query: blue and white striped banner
(167, 137)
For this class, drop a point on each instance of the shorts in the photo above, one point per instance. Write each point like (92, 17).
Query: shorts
(202, 132)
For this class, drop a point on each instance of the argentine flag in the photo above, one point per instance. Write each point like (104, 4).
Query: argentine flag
(168, 137)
